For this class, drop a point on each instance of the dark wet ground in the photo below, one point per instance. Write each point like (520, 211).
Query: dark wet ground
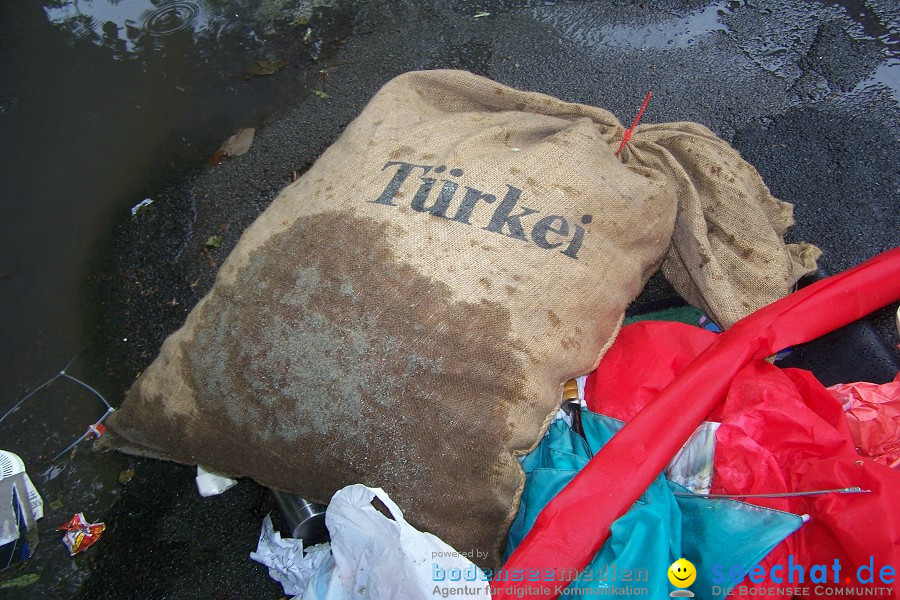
(807, 91)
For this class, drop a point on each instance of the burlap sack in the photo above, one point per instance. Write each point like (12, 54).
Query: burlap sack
(404, 315)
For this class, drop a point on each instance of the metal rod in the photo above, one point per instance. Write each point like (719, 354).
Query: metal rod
(849, 490)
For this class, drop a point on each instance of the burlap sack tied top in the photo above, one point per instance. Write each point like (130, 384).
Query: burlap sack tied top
(404, 315)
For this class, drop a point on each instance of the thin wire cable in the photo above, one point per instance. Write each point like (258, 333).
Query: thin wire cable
(92, 429)
(95, 392)
(36, 390)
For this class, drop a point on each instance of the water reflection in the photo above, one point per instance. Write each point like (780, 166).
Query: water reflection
(126, 25)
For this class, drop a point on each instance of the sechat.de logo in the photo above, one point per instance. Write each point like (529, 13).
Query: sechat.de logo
(682, 574)
(803, 580)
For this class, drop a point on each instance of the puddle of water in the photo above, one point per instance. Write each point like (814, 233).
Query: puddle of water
(87, 135)
(675, 32)
(778, 38)
(871, 26)
(104, 103)
(774, 37)
(887, 75)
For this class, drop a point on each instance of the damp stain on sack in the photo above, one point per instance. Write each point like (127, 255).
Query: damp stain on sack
(554, 319)
(348, 347)
(401, 152)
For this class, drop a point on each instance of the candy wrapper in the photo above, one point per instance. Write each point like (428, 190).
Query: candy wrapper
(81, 535)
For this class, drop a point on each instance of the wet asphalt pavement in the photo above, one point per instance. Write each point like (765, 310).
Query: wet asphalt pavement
(807, 91)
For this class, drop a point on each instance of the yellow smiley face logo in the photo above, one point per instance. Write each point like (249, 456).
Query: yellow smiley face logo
(682, 573)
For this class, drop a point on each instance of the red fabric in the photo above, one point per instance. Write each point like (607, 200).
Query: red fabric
(781, 432)
(615, 478)
(873, 413)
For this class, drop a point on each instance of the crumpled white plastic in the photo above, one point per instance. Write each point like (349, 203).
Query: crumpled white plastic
(286, 560)
(210, 484)
(371, 556)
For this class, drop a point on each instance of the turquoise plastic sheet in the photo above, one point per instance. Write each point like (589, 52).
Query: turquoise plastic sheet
(722, 538)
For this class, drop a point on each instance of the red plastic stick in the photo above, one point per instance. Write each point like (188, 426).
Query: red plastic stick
(627, 135)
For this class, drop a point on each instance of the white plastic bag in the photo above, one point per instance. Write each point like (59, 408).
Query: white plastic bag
(28, 506)
(375, 557)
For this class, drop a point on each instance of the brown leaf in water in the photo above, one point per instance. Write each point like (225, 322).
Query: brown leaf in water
(266, 67)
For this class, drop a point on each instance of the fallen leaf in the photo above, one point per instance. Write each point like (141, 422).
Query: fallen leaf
(307, 37)
(209, 258)
(266, 67)
(126, 475)
(56, 504)
(238, 144)
(20, 581)
(304, 20)
(213, 241)
(333, 65)
(321, 94)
